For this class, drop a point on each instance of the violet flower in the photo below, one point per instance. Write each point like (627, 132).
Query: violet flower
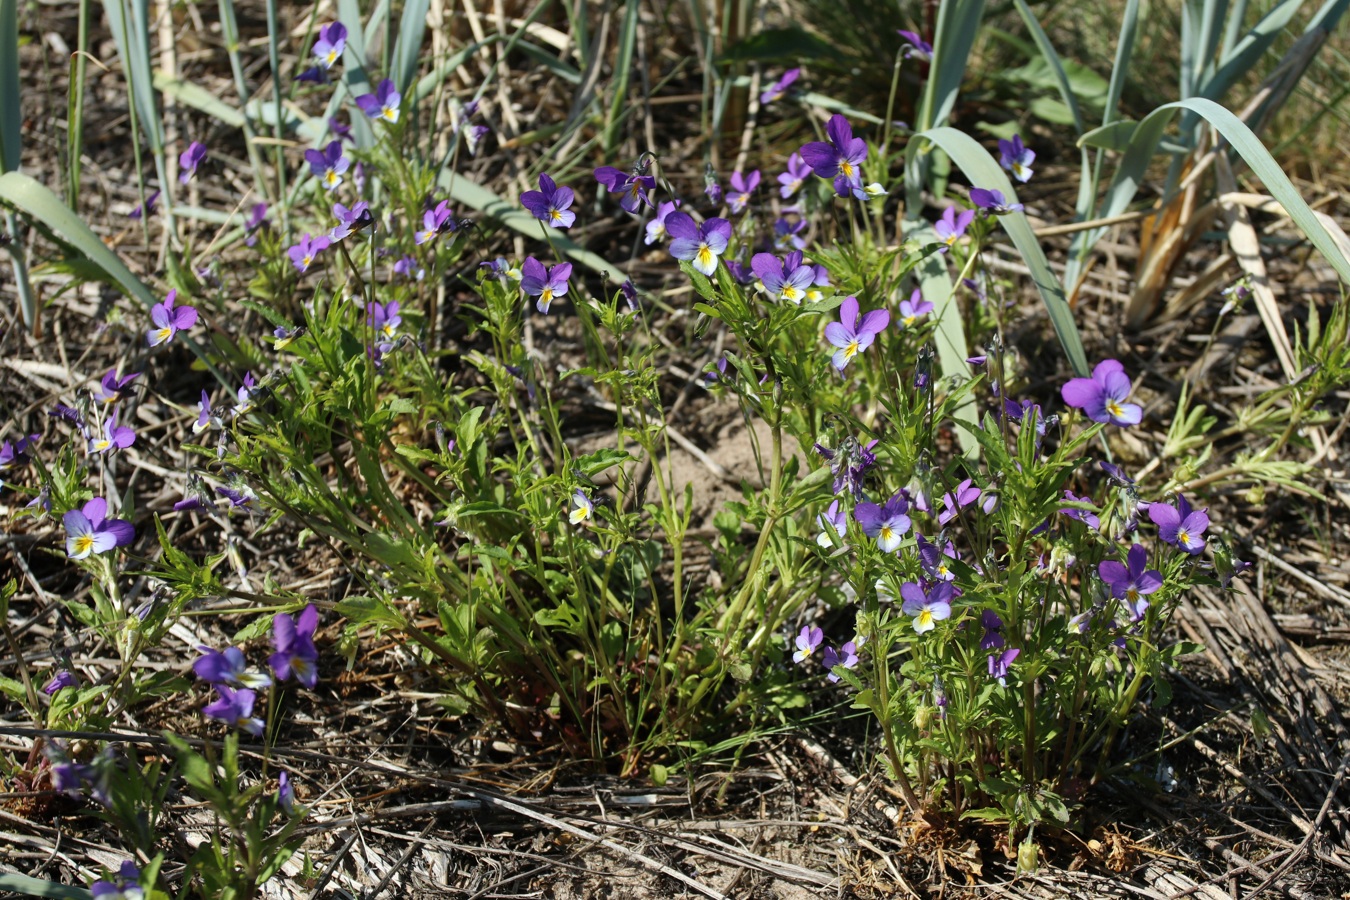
(927, 608)
(788, 235)
(840, 158)
(358, 218)
(332, 42)
(741, 189)
(656, 228)
(1130, 583)
(550, 203)
(189, 159)
(833, 524)
(808, 641)
(792, 180)
(702, 244)
(992, 202)
(383, 318)
(244, 397)
(545, 285)
(314, 75)
(992, 639)
(435, 221)
(952, 226)
(966, 493)
(781, 283)
(933, 561)
(1087, 517)
(583, 508)
(304, 252)
(912, 309)
(634, 187)
(1016, 157)
(1000, 663)
(15, 453)
(918, 48)
(113, 436)
(408, 268)
(62, 679)
(1179, 525)
(256, 221)
(296, 654)
(285, 793)
(779, 87)
(846, 657)
(169, 320)
(711, 188)
(228, 667)
(1102, 397)
(383, 104)
(328, 164)
(111, 387)
(126, 885)
(235, 708)
(144, 209)
(88, 530)
(851, 335)
(205, 418)
(849, 464)
(887, 524)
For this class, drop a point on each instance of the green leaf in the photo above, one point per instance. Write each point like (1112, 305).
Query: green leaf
(411, 30)
(37, 887)
(11, 115)
(786, 45)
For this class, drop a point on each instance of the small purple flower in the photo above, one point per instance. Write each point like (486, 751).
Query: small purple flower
(718, 373)
(383, 318)
(240, 495)
(630, 294)
(952, 226)
(833, 524)
(205, 419)
(993, 202)
(62, 679)
(88, 530)
(328, 164)
(779, 87)
(1087, 517)
(781, 283)
(15, 453)
(169, 320)
(918, 48)
(965, 494)
(189, 160)
(314, 75)
(741, 189)
(656, 228)
(788, 235)
(840, 158)
(1016, 157)
(634, 187)
(808, 641)
(383, 104)
(545, 285)
(711, 188)
(849, 464)
(285, 793)
(912, 309)
(702, 244)
(583, 508)
(792, 180)
(331, 43)
(1179, 525)
(342, 132)
(992, 639)
(283, 337)
(228, 667)
(256, 221)
(113, 437)
(303, 253)
(1130, 583)
(358, 218)
(1115, 474)
(847, 656)
(435, 221)
(146, 208)
(934, 562)
(408, 268)
(550, 203)
(112, 387)
(999, 664)
(235, 708)
(296, 654)
(1102, 397)
(850, 335)
(126, 886)
(927, 608)
(887, 524)
(244, 396)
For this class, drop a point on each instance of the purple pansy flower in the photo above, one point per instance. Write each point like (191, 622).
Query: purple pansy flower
(1130, 582)
(934, 562)
(656, 228)
(545, 285)
(205, 419)
(189, 159)
(630, 294)
(228, 667)
(435, 221)
(849, 464)
(927, 608)
(999, 664)
(918, 48)
(702, 244)
(550, 203)
(840, 158)
(846, 657)
(993, 202)
(807, 642)
(328, 164)
(833, 523)
(711, 188)
(583, 508)
(331, 43)
(144, 209)
(62, 679)
(256, 221)
(779, 87)
(952, 226)
(966, 493)
(285, 793)
(992, 639)
(296, 654)
(1087, 517)
(112, 387)
(408, 268)
(633, 186)
(235, 708)
(792, 180)
(887, 524)
(383, 318)
(782, 283)
(383, 104)
(303, 253)
(1179, 525)
(741, 189)
(1102, 397)
(169, 320)
(314, 75)
(1016, 157)
(244, 396)
(912, 309)
(89, 530)
(357, 218)
(788, 235)
(126, 886)
(851, 335)
(113, 437)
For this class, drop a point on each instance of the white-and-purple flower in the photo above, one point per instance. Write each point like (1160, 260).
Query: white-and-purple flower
(839, 159)
(780, 87)
(852, 335)
(545, 285)
(89, 530)
(306, 250)
(1179, 525)
(1102, 397)
(656, 228)
(383, 104)
(927, 608)
(1016, 157)
(550, 204)
(886, 524)
(741, 189)
(169, 320)
(700, 245)
(332, 42)
(328, 164)
(1131, 582)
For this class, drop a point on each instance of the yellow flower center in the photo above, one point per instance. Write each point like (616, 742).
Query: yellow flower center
(886, 533)
(790, 294)
(851, 350)
(83, 544)
(846, 169)
(1114, 408)
(545, 297)
(101, 445)
(331, 178)
(580, 514)
(164, 334)
(1183, 536)
(555, 215)
(330, 57)
(307, 259)
(390, 114)
(909, 320)
(924, 619)
(706, 256)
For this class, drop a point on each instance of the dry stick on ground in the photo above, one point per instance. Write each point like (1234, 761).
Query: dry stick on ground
(1325, 589)
(1302, 848)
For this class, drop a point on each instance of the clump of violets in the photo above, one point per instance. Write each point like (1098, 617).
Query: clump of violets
(741, 189)
(852, 335)
(545, 285)
(1130, 582)
(307, 249)
(700, 245)
(1179, 525)
(383, 104)
(235, 709)
(169, 319)
(550, 204)
(887, 524)
(634, 188)
(1016, 157)
(90, 531)
(328, 49)
(328, 164)
(952, 226)
(780, 87)
(927, 608)
(295, 653)
(189, 160)
(1102, 397)
(656, 228)
(840, 158)
(808, 641)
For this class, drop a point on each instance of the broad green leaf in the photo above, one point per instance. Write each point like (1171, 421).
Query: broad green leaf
(411, 30)
(38, 887)
(11, 118)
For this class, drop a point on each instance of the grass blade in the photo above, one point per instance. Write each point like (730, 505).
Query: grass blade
(957, 25)
(36, 887)
(983, 170)
(11, 119)
(1056, 64)
(623, 70)
(411, 30)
